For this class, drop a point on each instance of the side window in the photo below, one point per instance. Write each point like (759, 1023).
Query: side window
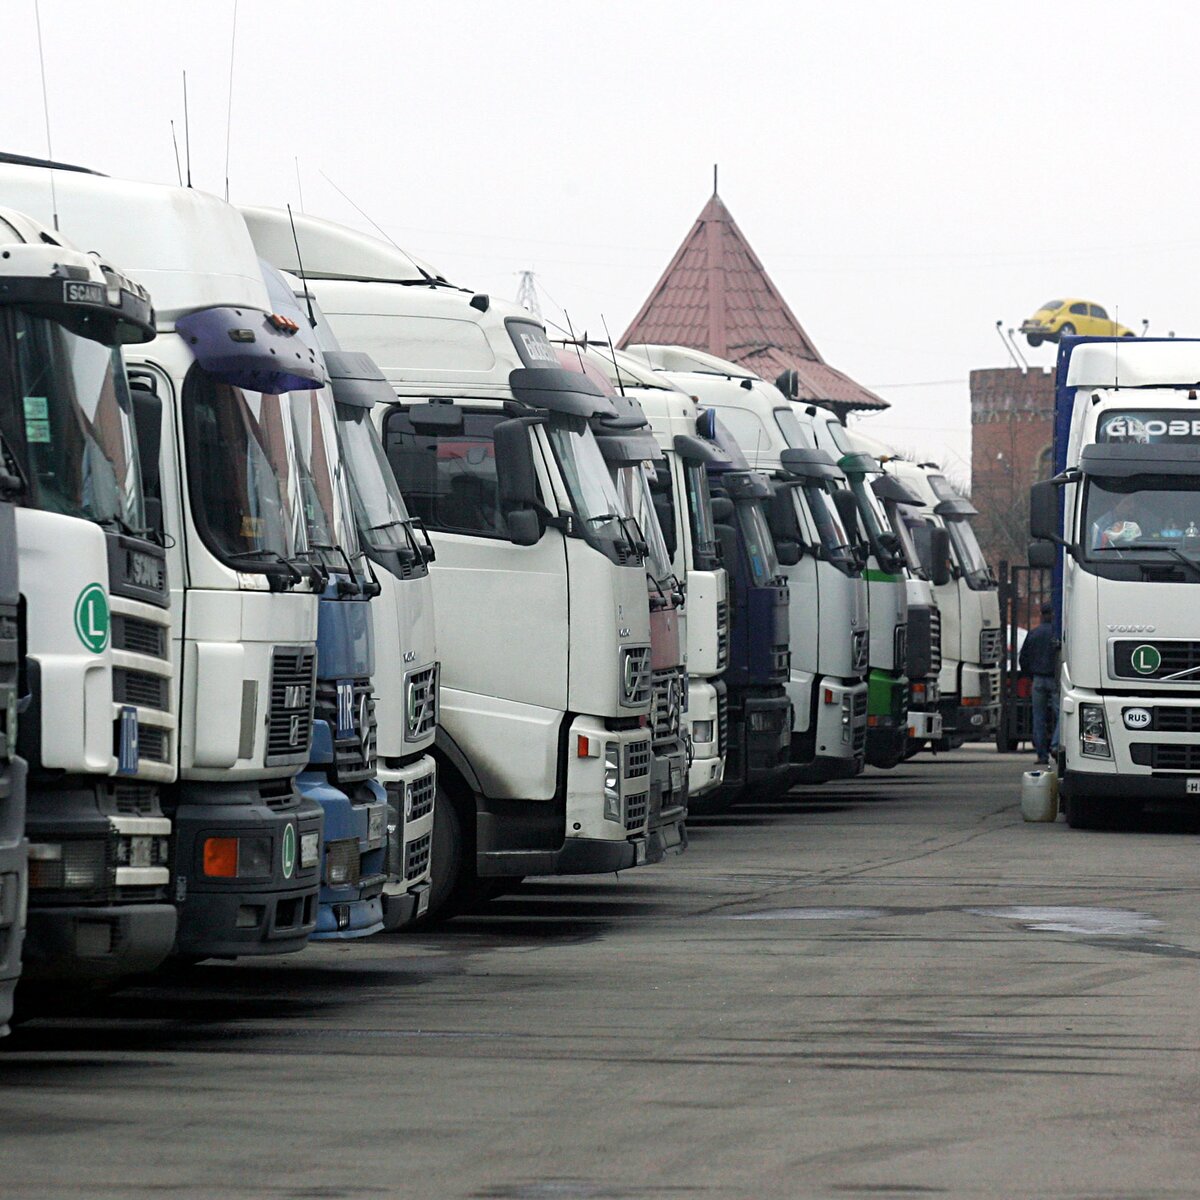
(448, 481)
(747, 428)
(1097, 311)
(1079, 310)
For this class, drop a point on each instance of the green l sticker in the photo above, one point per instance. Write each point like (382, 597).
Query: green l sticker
(1146, 659)
(91, 618)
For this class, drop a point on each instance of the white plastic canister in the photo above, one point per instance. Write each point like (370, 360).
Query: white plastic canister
(1039, 796)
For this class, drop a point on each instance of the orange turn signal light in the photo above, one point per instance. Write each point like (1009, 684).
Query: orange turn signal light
(221, 857)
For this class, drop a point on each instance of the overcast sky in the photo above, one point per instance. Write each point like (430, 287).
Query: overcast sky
(909, 173)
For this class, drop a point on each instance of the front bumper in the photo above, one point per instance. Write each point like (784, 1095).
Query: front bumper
(231, 917)
(93, 944)
(760, 735)
(924, 725)
(886, 742)
(707, 767)
(841, 724)
(13, 878)
(406, 892)
(606, 827)
(666, 829)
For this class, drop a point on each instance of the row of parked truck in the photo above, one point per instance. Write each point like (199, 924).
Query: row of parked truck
(248, 456)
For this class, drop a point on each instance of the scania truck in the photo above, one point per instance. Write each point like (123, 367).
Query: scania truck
(96, 713)
(830, 629)
(222, 478)
(679, 487)
(968, 602)
(544, 758)
(1124, 511)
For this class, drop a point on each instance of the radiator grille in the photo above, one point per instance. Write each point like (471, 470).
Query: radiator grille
(722, 721)
(289, 719)
(722, 634)
(859, 735)
(666, 702)
(134, 799)
(635, 676)
(416, 857)
(152, 743)
(1173, 658)
(989, 646)
(421, 702)
(353, 751)
(423, 792)
(935, 641)
(140, 688)
(637, 760)
(1175, 720)
(635, 811)
(859, 650)
(1166, 756)
(138, 636)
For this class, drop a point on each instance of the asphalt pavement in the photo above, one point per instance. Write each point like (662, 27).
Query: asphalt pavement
(891, 987)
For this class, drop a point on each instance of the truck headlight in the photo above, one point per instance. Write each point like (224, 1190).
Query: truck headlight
(847, 717)
(612, 781)
(1093, 731)
(702, 731)
(237, 858)
(72, 865)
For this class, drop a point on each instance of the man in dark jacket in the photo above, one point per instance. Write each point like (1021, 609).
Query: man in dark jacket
(1039, 658)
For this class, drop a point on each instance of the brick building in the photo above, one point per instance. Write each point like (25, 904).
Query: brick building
(1012, 430)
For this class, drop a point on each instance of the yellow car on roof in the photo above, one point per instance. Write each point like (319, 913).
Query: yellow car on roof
(1058, 317)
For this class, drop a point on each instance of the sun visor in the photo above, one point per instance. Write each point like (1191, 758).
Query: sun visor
(700, 450)
(249, 349)
(859, 461)
(628, 449)
(356, 380)
(809, 464)
(560, 391)
(1126, 458)
(958, 507)
(888, 487)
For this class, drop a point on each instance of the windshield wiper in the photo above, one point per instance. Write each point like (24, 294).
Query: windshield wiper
(294, 575)
(1190, 563)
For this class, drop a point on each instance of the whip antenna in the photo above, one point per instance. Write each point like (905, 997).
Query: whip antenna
(312, 320)
(571, 330)
(229, 100)
(175, 143)
(612, 350)
(187, 133)
(299, 185)
(37, 16)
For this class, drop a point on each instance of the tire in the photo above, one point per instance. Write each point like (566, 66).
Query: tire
(449, 864)
(1004, 743)
(1034, 339)
(1066, 330)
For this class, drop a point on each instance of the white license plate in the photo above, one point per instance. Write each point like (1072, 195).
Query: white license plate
(639, 851)
(1193, 787)
(423, 901)
(676, 779)
(139, 851)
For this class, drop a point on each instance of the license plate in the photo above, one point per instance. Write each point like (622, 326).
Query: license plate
(1193, 787)
(423, 901)
(139, 851)
(639, 851)
(676, 779)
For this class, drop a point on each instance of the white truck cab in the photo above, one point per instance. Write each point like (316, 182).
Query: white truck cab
(828, 609)
(544, 759)
(1127, 452)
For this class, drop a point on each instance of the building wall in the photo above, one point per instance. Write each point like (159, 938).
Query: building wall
(1012, 429)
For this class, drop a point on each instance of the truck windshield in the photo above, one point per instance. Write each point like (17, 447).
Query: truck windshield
(242, 473)
(1142, 519)
(700, 515)
(591, 489)
(328, 513)
(760, 546)
(633, 486)
(71, 422)
(795, 434)
(967, 552)
(379, 508)
(830, 530)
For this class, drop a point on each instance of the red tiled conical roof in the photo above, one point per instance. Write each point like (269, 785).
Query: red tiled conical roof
(716, 296)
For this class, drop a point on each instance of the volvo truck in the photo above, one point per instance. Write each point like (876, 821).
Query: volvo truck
(830, 630)
(968, 601)
(96, 713)
(1123, 510)
(222, 477)
(679, 487)
(544, 757)
(404, 708)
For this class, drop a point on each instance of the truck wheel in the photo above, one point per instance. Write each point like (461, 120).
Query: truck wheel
(1004, 743)
(1034, 339)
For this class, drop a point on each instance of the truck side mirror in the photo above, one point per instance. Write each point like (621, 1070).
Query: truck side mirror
(939, 545)
(517, 485)
(788, 552)
(846, 504)
(147, 420)
(1043, 512)
(781, 517)
(722, 510)
(525, 526)
(665, 512)
(1042, 554)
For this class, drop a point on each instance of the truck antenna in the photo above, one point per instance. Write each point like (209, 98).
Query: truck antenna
(1017, 350)
(578, 351)
(299, 185)
(175, 143)
(187, 134)
(612, 351)
(1000, 335)
(37, 16)
(229, 99)
(374, 224)
(312, 320)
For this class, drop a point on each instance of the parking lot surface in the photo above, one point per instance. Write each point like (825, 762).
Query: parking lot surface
(889, 987)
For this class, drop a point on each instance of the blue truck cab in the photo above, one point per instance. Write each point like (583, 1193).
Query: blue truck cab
(340, 774)
(758, 739)
(13, 849)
